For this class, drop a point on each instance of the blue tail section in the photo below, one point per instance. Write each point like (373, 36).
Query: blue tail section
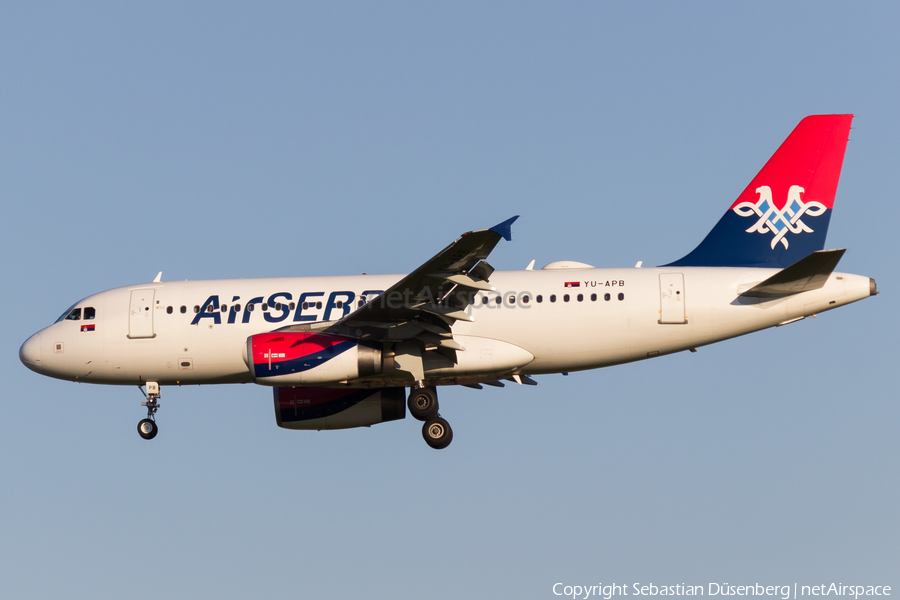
(783, 215)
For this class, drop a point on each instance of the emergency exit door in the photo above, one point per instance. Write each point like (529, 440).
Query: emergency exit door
(140, 314)
(671, 298)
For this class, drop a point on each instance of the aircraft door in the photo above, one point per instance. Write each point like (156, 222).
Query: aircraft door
(671, 298)
(140, 314)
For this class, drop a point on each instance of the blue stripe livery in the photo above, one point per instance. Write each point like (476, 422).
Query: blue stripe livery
(729, 244)
(302, 363)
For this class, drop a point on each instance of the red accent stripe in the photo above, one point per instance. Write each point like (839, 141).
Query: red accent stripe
(810, 157)
(292, 345)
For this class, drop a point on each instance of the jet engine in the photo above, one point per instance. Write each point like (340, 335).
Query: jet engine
(322, 408)
(303, 358)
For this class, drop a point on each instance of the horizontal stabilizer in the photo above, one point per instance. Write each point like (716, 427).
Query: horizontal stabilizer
(808, 273)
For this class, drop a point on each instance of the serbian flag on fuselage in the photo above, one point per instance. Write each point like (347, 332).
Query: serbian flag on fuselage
(573, 284)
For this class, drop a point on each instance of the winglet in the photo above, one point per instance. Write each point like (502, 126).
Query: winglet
(158, 278)
(505, 228)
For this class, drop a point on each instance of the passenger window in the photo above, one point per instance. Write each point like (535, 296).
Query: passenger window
(209, 308)
(237, 308)
(484, 300)
(89, 313)
(339, 304)
(291, 306)
(278, 306)
(621, 296)
(539, 298)
(552, 297)
(361, 303)
(224, 308)
(251, 307)
(196, 309)
(306, 306)
(580, 297)
(525, 299)
(566, 298)
(318, 305)
(168, 310)
(183, 309)
(499, 300)
(75, 315)
(606, 297)
(593, 297)
(265, 307)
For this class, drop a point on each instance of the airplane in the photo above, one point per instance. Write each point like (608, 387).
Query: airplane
(340, 352)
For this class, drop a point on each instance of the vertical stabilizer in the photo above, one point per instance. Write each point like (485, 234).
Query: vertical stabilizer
(783, 214)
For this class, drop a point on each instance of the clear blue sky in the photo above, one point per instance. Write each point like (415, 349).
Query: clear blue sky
(217, 139)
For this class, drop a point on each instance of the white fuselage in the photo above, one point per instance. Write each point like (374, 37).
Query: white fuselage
(139, 333)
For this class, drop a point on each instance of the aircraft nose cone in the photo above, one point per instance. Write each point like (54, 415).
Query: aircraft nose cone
(30, 352)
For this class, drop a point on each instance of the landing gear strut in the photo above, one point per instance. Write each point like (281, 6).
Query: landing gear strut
(147, 428)
(423, 405)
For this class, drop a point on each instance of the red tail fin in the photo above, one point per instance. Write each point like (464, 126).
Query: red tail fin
(783, 214)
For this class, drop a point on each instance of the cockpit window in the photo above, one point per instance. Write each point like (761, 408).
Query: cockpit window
(74, 315)
(89, 313)
(65, 314)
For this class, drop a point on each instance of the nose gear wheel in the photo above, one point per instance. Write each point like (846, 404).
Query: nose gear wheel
(147, 428)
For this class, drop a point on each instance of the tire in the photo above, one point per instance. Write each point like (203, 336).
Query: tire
(437, 433)
(423, 403)
(147, 429)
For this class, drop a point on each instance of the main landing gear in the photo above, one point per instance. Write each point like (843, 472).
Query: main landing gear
(423, 406)
(147, 428)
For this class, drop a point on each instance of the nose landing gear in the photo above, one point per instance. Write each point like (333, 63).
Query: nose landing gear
(147, 428)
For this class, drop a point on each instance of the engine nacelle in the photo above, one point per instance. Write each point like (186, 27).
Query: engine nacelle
(322, 408)
(303, 358)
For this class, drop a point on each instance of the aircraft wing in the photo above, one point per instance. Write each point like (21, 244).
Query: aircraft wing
(441, 287)
(419, 311)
